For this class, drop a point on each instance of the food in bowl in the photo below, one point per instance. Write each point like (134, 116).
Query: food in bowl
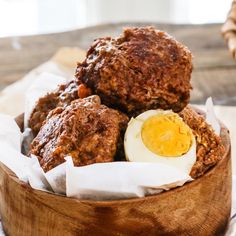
(143, 75)
(201, 207)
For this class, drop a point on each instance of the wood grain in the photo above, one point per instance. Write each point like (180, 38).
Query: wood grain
(201, 207)
(213, 74)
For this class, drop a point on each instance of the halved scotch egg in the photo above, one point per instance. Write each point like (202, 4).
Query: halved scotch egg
(160, 136)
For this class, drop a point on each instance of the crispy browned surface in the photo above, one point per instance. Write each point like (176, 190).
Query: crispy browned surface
(61, 97)
(86, 130)
(209, 146)
(142, 69)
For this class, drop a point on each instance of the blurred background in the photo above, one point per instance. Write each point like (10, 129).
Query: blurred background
(28, 17)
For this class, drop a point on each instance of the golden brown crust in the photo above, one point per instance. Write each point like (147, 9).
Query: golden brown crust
(209, 145)
(85, 130)
(141, 70)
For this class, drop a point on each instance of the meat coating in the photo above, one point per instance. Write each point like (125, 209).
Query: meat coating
(142, 69)
(210, 149)
(85, 130)
(61, 97)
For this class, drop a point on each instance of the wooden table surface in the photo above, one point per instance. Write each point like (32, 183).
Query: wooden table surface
(214, 71)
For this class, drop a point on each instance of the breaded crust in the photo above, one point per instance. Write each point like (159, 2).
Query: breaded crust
(142, 69)
(85, 130)
(209, 145)
(62, 96)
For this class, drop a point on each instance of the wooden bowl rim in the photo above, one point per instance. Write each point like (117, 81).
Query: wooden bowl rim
(224, 133)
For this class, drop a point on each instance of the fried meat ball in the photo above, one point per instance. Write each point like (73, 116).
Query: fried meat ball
(210, 148)
(142, 69)
(85, 130)
(61, 97)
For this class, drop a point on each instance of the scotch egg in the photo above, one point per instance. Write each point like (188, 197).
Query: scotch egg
(160, 136)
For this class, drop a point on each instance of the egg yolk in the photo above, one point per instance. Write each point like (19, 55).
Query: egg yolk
(166, 135)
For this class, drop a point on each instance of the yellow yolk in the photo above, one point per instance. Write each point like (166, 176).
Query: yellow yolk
(166, 135)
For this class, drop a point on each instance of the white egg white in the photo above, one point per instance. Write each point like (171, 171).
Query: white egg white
(136, 151)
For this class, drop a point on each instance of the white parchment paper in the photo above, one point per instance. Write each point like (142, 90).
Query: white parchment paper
(119, 180)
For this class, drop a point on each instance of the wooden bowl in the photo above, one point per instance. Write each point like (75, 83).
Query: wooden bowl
(201, 207)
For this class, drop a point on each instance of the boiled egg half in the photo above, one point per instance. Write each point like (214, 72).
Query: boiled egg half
(160, 136)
